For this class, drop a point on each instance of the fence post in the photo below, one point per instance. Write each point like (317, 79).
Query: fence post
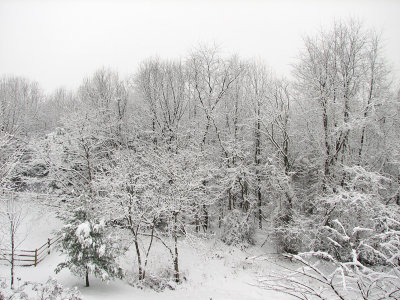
(35, 257)
(48, 245)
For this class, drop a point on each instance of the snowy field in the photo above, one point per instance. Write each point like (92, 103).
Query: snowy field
(211, 270)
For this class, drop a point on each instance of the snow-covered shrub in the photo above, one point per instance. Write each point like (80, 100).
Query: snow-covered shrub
(89, 250)
(237, 229)
(318, 275)
(343, 214)
(350, 217)
(295, 236)
(54, 290)
(356, 248)
(385, 243)
(157, 282)
(51, 289)
(361, 262)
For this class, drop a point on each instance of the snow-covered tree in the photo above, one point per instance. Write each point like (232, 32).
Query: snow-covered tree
(89, 248)
(105, 95)
(11, 218)
(129, 193)
(163, 88)
(19, 105)
(341, 79)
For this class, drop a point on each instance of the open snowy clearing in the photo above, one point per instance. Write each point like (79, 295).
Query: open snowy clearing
(212, 270)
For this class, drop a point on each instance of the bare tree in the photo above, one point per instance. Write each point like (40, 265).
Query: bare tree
(331, 73)
(11, 219)
(163, 87)
(212, 80)
(19, 105)
(211, 77)
(258, 87)
(56, 105)
(107, 95)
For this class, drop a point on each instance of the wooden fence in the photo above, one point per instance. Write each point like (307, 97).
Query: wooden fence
(28, 258)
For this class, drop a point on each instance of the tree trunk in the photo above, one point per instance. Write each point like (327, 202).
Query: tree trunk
(221, 214)
(203, 142)
(229, 199)
(12, 272)
(327, 149)
(154, 132)
(361, 146)
(346, 120)
(176, 263)
(205, 211)
(259, 208)
(12, 253)
(398, 193)
(371, 89)
(139, 258)
(197, 222)
(257, 160)
(87, 277)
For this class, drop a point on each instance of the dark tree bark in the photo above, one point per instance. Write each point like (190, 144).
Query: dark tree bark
(257, 160)
(87, 277)
(176, 260)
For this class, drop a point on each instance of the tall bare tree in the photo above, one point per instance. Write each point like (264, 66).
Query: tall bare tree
(163, 87)
(19, 105)
(331, 74)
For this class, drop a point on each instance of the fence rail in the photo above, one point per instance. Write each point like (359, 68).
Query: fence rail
(28, 258)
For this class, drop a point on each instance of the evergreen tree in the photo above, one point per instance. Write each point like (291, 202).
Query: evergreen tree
(89, 250)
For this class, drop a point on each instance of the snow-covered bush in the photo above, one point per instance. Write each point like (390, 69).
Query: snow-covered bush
(51, 289)
(158, 282)
(350, 217)
(237, 229)
(343, 214)
(385, 243)
(318, 275)
(341, 220)
(89, 250)
(354, 250)
(295, 236)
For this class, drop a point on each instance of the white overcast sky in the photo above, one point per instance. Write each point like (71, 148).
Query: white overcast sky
(58, 43)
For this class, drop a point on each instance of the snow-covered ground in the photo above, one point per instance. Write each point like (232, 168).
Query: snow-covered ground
(212, 270)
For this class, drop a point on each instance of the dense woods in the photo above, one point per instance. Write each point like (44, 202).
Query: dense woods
(214, 145)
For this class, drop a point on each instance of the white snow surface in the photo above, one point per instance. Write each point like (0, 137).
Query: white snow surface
(211, 270)
(83, 230)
